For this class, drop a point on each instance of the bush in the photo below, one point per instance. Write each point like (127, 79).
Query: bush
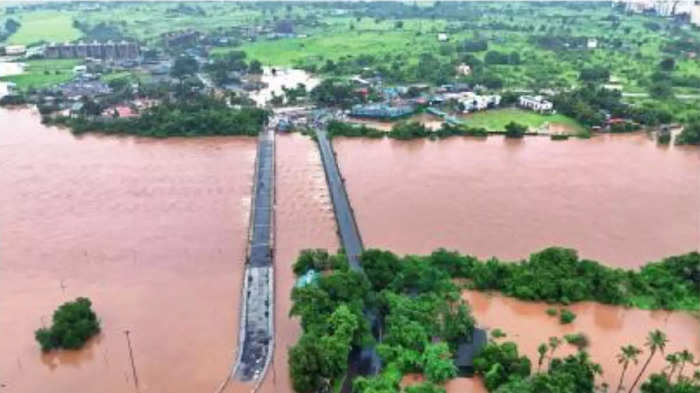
(566, 316)
(552, 311)
(73, 324)
(515, 130)
(559, 137)
(497, 333)
(579, 340)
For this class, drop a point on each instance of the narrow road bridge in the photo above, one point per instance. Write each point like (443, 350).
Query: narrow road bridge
(363, 361)
(256, 337)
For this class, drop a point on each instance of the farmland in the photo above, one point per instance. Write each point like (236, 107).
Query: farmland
(43, 73)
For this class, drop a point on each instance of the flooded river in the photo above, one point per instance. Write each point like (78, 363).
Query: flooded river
(152, 231)
(607, 327)
(619, 199)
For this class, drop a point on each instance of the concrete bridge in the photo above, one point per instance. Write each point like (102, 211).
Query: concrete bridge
(363, 361)
(256, 337)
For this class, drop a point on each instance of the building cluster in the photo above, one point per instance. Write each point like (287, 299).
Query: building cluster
(96, 50)
(535, 103)
(665, 8)
(181, 38)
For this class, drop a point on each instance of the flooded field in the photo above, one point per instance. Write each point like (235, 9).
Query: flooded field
(304, 219)
(619, 199)
(282, 77)
(608, 328)
(152, 231)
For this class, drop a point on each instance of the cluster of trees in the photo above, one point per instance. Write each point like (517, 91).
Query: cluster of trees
(404, 131)
(225, 68)
(495, 57)
(8, 28)
(691, 133)
(102, 31)
(334, 92)
(557, 275)
(195, 116)
(589, 105)
(594, 74)
(73, 324)
(417, 302)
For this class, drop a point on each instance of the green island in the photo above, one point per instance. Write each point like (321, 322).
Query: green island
(425, 319)
(73, 324)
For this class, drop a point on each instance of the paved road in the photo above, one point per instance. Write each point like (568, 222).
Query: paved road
(349, 234)
(256, 331)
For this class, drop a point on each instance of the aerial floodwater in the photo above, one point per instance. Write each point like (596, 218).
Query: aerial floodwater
(152, 231)
(619, 199)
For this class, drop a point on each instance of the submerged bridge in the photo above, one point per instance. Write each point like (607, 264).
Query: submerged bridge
(363, 361)
(256, 337)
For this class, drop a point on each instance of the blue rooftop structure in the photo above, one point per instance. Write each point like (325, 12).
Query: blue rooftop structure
(381, 111)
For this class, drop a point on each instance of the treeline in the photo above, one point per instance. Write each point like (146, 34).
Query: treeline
(8, 28)
(403, 131)
(200, 115)
(691, 133)
(423, 315)
(589, 105)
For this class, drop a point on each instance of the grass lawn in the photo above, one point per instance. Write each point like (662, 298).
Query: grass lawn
(43, 73)
(46, 26)
(496, 120)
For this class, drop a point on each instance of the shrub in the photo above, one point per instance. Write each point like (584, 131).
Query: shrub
(552, 311)
(73, 324)
(515, 130)
(579, 340)
(566, 316)
(497, 333)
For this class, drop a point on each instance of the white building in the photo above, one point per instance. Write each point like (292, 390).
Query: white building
(536, 103)
(442, 37)
(463, 69)
(592, 43)
(14, 50)
(695, 14)
(474, 102)
(661, 7)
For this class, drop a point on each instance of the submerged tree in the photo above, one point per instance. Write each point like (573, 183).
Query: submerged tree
(656, 342)
(628, 353)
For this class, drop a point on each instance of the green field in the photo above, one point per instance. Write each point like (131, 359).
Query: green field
(44, 26)
(496, 119)
(43, 73)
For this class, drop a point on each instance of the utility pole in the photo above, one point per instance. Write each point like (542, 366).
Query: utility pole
(131, 358)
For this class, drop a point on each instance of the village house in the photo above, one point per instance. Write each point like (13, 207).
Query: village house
(475, 102)
(381, 111)
(442, 37)
(15, 50)
(535, 103)
(463, 69)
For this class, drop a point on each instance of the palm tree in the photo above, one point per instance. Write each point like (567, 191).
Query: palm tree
(656, 341)
(554, 343)
(673, 361)
(696, 377)
(627, 354)
(542, 350)
(685, 357)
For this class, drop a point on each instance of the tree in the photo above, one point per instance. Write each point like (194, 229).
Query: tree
(184, 66)
(73, 324)
(628, 353)
(660, 90)
(673, 361)
(438, 364)
(690, 134)
(542, 351)
(515, 130)
(255, 67)
(685, 357)
(398, 24)
(554, 343)
(656, 341)
(667, 64)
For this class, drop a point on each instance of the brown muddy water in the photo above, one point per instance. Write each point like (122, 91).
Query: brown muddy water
(619, 199)
(607, 327)
(153, 231)
(304, 219)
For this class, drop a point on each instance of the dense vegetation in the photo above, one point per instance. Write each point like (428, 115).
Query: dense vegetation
(73, 324)
(417, 302)
(195, 116)
(403, 131)
(690, 134)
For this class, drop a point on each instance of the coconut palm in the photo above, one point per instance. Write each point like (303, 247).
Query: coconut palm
(685, 356)
(673, 361)
(542, 350)
(628, 353)
(656, 341)
(554, 343)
